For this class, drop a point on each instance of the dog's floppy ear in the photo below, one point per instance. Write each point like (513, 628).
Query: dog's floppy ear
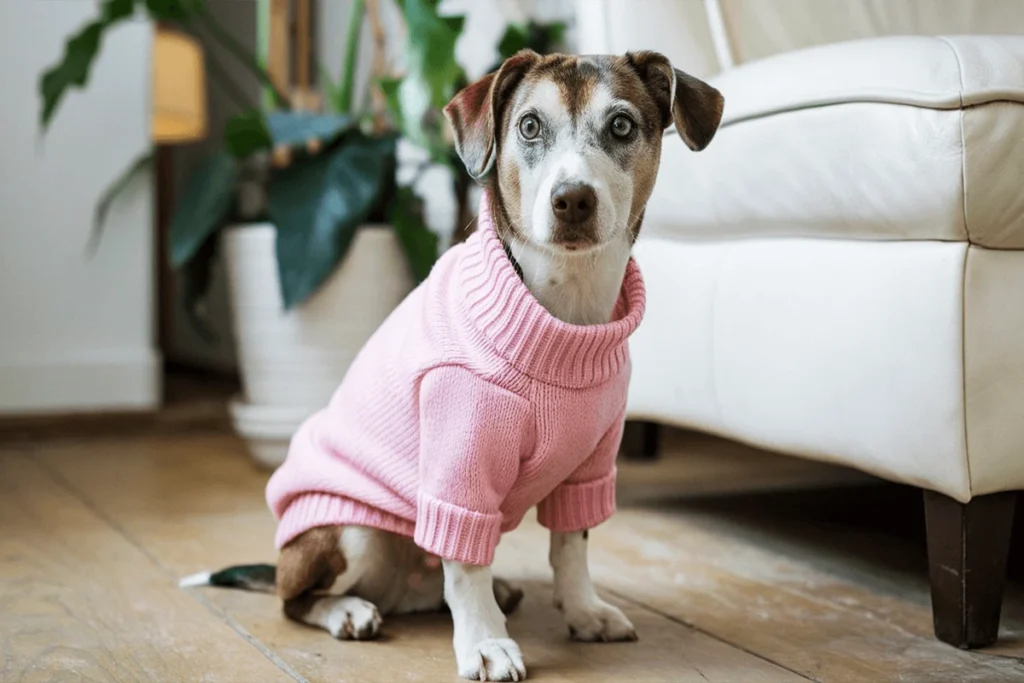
(474, 113)
(693, 105)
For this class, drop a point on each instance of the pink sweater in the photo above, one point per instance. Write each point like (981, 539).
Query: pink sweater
(470, 405)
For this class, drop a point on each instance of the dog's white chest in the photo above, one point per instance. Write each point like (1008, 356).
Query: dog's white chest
(581, 290)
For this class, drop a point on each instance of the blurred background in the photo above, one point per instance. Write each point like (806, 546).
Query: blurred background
(208, 206)
(218, 199)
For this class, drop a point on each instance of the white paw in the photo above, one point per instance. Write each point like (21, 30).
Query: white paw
(354, 619)
(598, 621)
(493, 659)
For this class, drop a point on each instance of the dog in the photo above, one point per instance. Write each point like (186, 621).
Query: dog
(568, 149)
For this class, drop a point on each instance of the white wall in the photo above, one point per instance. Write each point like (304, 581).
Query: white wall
(76, 333)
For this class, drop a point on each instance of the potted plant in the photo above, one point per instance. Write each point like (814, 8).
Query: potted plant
(320, 240)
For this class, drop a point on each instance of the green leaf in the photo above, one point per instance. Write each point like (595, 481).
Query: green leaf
(116, 10)
(201, 211)
(72, 70)
(389, 86)
(99, 217)
(173, 10)
(418, 241)
(295, 128)
(512, 42)
(330, 89)
(193, 242)
(318, 205)
(553, 36)
(195, 279)
(541, 38)
(432, 72)
(348, 65)
(430, 49)
(455, 23)
(246, 133)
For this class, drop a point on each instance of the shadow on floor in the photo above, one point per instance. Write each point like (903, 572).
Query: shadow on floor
(873, 535)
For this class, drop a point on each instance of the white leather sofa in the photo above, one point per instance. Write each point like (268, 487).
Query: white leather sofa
(840, 275)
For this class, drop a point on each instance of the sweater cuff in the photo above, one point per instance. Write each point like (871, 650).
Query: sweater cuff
(455, 533)
(576, 507)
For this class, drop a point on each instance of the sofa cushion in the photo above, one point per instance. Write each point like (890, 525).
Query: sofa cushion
(885, 138)
(843, 351)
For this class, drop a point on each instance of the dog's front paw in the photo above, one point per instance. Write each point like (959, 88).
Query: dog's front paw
(598, 621)
(493, 659)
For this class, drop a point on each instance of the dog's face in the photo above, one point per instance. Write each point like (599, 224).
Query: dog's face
(571, 145)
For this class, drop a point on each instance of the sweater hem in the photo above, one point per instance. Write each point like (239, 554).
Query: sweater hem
(312, 510)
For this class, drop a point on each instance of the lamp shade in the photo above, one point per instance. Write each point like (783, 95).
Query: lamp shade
(179, 88)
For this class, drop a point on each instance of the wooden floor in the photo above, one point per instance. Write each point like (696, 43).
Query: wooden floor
(827, 585)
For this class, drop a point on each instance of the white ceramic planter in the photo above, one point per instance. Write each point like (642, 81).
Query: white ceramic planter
(292, 361)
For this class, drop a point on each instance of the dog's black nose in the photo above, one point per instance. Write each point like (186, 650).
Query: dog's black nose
(573, 202)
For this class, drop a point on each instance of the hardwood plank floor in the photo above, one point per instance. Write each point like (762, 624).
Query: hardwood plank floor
(208, 511)
(781, 586)
(782, 608)
(78, 601)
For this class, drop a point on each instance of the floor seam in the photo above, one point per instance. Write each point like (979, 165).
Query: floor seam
(682, 622)
(213, 609)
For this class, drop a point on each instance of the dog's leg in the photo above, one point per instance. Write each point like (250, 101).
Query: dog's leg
(424, 591)
(343, 616)
(483, 650)
(316, 562)
(426, 595)
(589, 617)
(508, 595)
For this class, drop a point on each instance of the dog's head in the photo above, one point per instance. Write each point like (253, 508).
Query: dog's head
(574, 143)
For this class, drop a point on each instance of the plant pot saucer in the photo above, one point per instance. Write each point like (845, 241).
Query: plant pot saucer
(267, 430)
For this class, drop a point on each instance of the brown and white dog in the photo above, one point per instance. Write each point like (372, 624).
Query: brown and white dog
(569, 148)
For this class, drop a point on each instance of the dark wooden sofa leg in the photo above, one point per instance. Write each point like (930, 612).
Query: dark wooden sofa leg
(968, 545)
(641, 440)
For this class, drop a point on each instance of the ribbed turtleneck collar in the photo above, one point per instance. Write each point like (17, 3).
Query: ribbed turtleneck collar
(522, 331)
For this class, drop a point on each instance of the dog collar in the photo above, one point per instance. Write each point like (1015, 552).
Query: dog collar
(512, 259)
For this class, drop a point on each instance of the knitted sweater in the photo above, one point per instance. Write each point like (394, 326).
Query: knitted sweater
(470, 405)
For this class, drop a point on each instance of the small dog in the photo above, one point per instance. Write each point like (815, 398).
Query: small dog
(568, 149)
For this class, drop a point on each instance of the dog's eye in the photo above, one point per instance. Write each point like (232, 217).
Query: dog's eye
(529, 126)
(622, 126)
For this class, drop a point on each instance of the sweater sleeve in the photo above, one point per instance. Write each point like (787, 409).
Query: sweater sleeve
(587, 497)
(472, 434)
